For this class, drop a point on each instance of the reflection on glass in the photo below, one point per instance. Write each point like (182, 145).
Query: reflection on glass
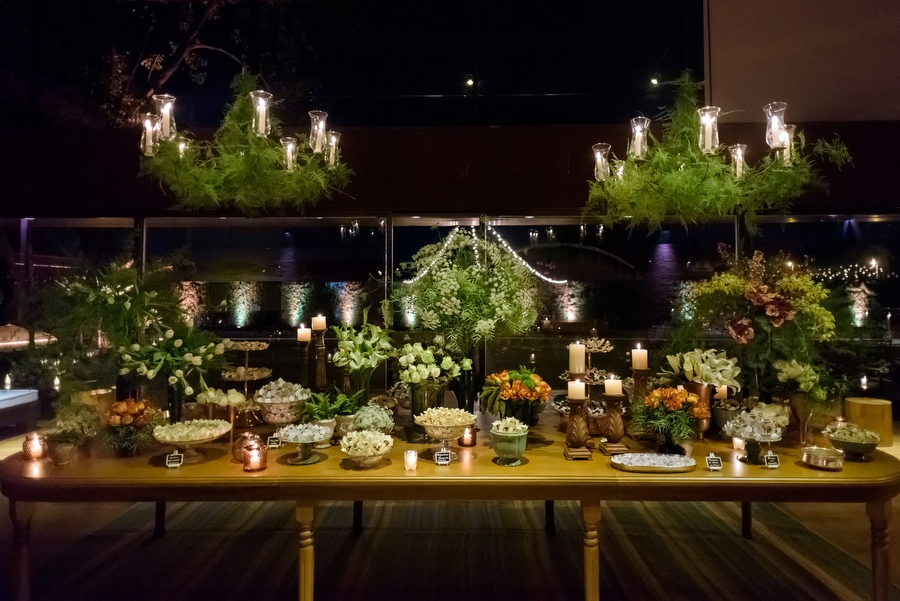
(294, 297)
(243, 302)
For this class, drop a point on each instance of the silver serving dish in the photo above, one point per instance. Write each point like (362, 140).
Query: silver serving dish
(822, 458)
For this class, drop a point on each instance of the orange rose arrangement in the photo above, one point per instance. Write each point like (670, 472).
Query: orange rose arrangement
(670, 411)
(518, 393)
(129, 426)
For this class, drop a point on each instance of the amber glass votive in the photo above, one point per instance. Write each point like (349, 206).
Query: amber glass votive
(35, 447)
(468, 439)
(255, 456)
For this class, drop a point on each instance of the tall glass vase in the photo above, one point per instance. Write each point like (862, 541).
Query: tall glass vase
(361, 380)
(468, 389)
(423, 396)
(175, 403)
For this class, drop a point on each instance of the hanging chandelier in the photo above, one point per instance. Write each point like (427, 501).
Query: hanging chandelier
(243, 166)
(685, 174)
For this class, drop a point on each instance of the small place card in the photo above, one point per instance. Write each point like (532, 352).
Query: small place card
(714, 462)
(174, 459)
(772, 460)
(273, 442)
(442, 457)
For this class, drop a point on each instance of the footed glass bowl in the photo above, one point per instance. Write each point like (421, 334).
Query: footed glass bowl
(444, 434)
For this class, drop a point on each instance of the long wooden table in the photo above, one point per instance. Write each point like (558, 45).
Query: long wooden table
(545, 475)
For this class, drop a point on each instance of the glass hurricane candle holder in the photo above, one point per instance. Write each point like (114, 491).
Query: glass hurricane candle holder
(34, 447)
(149, 134)
(738, 152)
(775, 123)
(787, 144)
(637, 147)
(601, 161)
(183, 145)
(290, 152)
(332, 148)
(165, 110)
(709, 129)
(255, 456)
(317, 140)
(260, 124)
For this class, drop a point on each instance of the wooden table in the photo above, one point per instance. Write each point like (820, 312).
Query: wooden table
(545, 476)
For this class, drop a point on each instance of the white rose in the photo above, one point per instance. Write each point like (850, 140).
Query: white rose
(435, 372)
(126, 357)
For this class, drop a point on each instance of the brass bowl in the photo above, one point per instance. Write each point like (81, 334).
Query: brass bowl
(822, 458)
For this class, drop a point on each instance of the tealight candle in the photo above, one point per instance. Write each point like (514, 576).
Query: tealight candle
(318, 323)
(612, 386)
(576, 358)
(468, 437)
(639, 357)
(35, 447)
(410, 460)
(303, 334)
(255, 455)
(721, 392)
(576, 390)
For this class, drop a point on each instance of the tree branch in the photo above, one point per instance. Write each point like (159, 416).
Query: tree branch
(199, 46)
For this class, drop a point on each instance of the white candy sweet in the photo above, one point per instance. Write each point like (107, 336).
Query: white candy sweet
(303, 433)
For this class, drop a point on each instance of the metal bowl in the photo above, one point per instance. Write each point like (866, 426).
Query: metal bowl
(822, 458)
(854, 449)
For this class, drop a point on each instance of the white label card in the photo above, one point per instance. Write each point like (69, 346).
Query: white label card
(442, 457)
(174, 459)
(714, 462)
(772, 461)
(273, 442)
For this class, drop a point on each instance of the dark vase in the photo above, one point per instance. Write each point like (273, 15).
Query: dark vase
(527, 412)
(126, 388)
(468, 389)
(175, 403)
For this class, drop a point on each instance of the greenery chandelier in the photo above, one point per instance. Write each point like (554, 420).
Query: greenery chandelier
(243, 167)
(683, 175)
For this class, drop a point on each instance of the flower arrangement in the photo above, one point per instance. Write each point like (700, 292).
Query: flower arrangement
(366, 443)
(304, 433)
(419, 363)
(185, 358)
(802, 378)
(129, 426)
(445, 416)
(768, 308)
(669, 411)
(362, 351)
(192, 430)
(509, 425)
(371, 417)
(709, 367)
(469, 290)
(505, 391)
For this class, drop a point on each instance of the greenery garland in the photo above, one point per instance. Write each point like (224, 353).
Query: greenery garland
(240, 169)
(678, 180)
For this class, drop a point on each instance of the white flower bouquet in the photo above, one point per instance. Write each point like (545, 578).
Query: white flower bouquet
(419, 364)
(214, 396)
(371, 417)
(709, 367)
(366, 443)
(445, 416)
(509, 425)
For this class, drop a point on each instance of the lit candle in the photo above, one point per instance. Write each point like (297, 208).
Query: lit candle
(639, 358)
(254, 457)
(303, 334)
(532, 358)
(318, 323)
(721, 392)
(165, 116)
(289, 156)
(468, 437)
(35, 447)
(410, 460)
(56, 383)
(707, 133)
(576, 358)
(261, 117)
(612, 386)
(148, 136)
(775, 131)
(637, 149)
(576, 390)
(7, 382)
(864, 383)
(738, 443)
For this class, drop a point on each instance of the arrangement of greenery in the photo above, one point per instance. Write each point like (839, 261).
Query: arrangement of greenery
(240, 169)
(326, 405)
(678, 180)
(433, 363)
(362, 351)
(709, 367)
(469, 290)
(506, 390)
(768, 310)
(371, 417)
(75, 422)
(669, 411)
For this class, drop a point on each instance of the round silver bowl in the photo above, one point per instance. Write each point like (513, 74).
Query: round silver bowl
(854, 449)
(824, 459)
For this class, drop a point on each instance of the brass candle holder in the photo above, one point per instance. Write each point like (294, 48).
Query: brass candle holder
(321, 374)
(640, 381)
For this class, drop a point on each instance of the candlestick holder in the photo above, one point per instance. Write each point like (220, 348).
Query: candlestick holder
(304, 364)
(612, 428)
(577, 433)
(321, 374)
(640, 381)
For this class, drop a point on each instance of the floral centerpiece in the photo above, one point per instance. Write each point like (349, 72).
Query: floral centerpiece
(371, 417)
(519, 393)
(770, 310)
(366, 448)
(509, 439)
(362, 351)
(469, 290)
(709, 368)
(419, 363)
(509, 425)
(304, 433)
(672, 412)
(129, 426)
(763, 423)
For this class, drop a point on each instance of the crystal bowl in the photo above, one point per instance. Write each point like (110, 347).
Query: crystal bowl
(446, 432)
(280, 413)
(854, 449)
(366, 461)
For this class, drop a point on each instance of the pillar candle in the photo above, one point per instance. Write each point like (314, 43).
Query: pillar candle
(166, 113)
(707, 134)
(303, 334)
(639, 358)
(721, 392)
(576, 390)
(318, 323)
(576, 358)
(410, 460)
(261, 117)
(612, 386)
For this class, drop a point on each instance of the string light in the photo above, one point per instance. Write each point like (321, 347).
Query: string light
(422, 273)
(509, 249)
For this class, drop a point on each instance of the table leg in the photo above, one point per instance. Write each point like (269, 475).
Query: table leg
(21, 512)
(304, 514)
(879, 513)
(590, 511)
(747, 519)
(549, 517)
(159, 523)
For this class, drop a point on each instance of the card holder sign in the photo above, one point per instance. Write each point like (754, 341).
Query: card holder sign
(714, 462)
(442, 457)
(174, 459)
(772, 461)
(273, 442)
